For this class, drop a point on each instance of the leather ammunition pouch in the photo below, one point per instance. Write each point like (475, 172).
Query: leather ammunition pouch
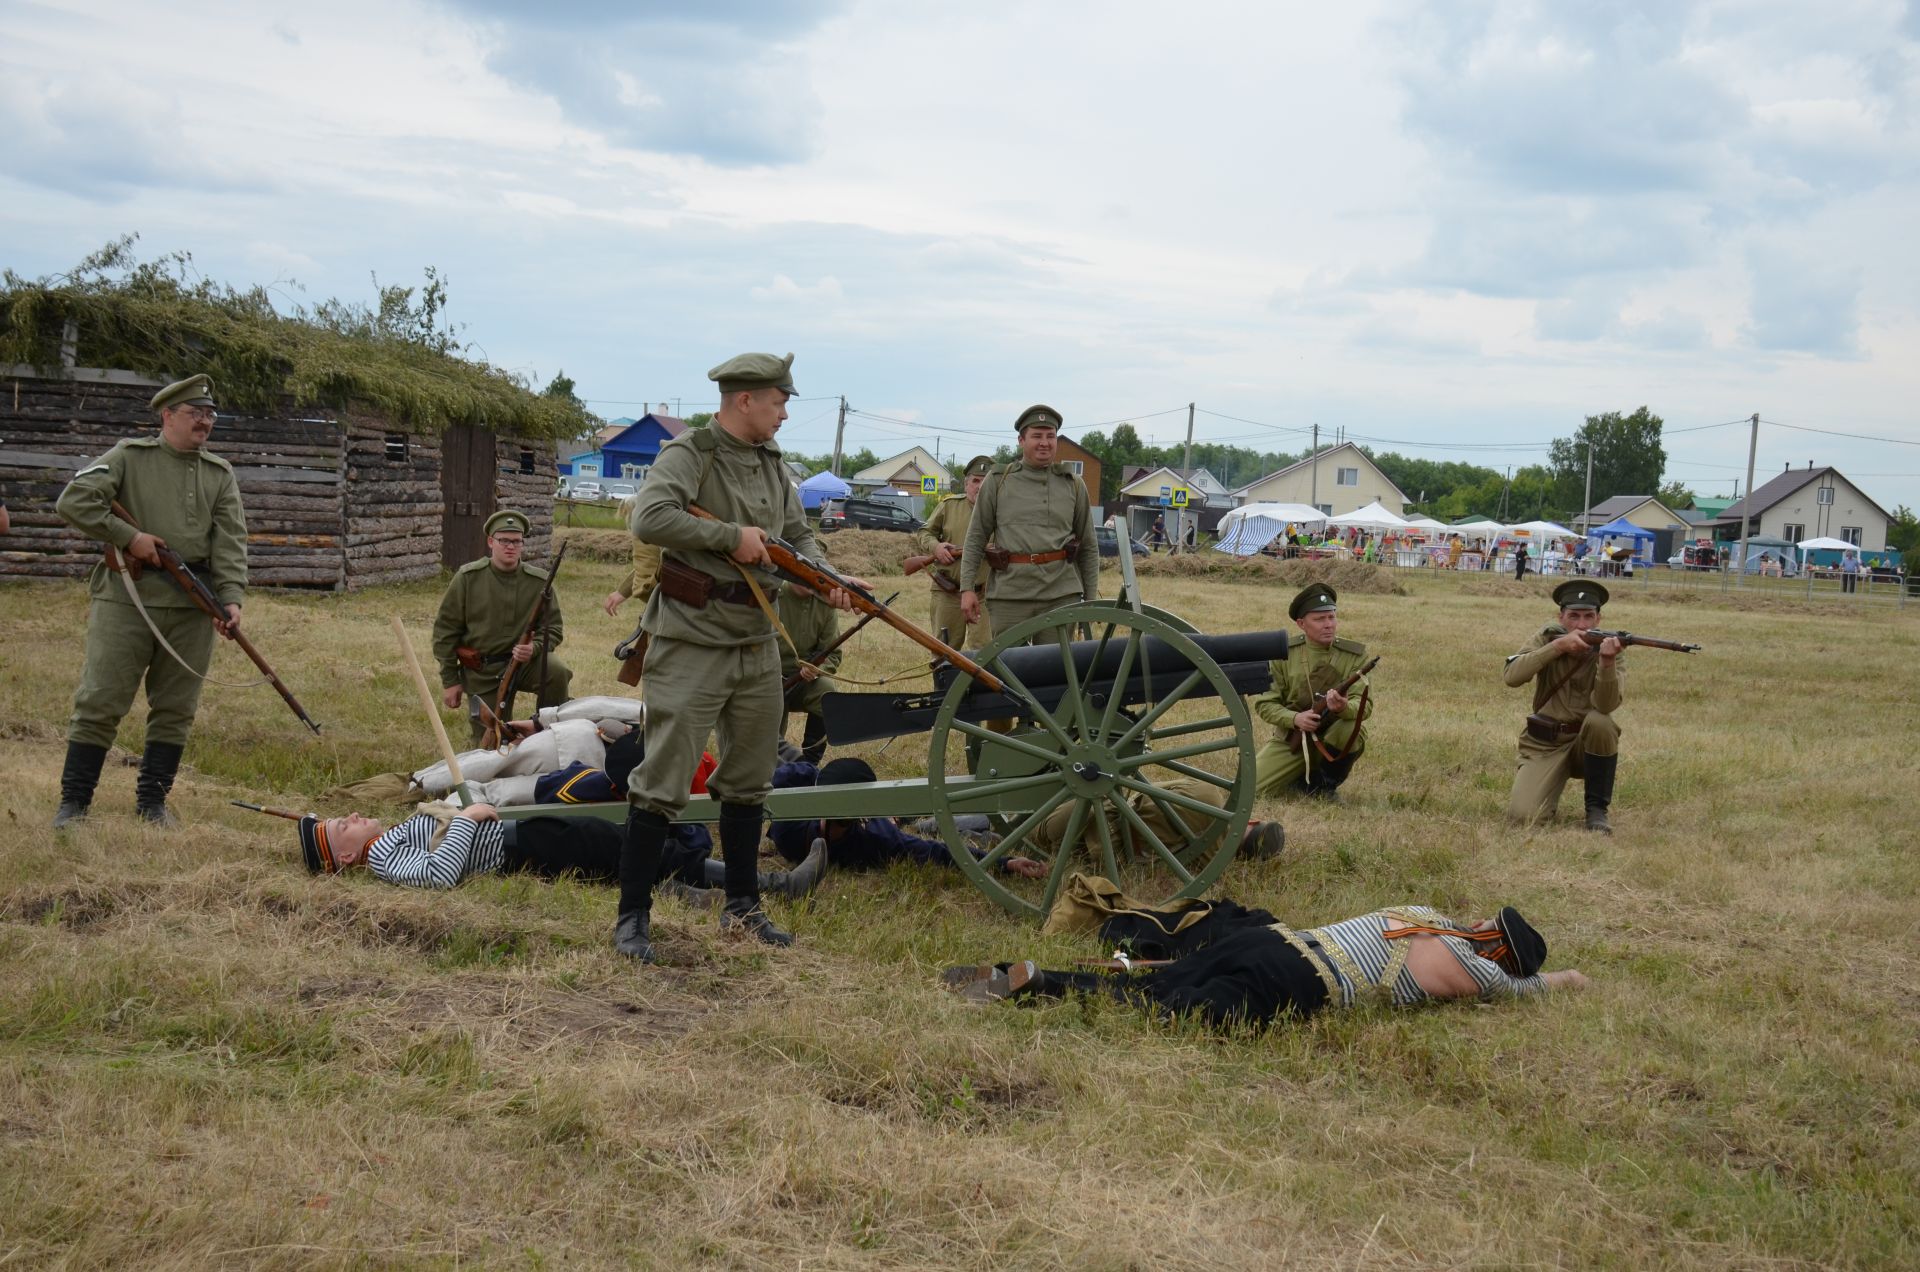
(945, 584)
(633, 658)
(1546, 729)
(692, 588)
(473, 660)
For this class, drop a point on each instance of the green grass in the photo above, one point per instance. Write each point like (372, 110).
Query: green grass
(208, 1058)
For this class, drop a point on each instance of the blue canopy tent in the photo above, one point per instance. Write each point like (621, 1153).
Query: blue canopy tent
(1621, 528)
(821, 487)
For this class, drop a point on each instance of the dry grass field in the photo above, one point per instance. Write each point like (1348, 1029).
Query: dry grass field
(209, 1059)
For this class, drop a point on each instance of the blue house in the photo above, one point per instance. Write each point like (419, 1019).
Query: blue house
(582, 460)
(628, 454)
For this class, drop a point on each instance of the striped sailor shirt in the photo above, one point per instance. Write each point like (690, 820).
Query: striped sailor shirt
(418, 854)
(1363, 960)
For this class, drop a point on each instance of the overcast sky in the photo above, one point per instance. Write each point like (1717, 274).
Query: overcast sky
(1453, 224)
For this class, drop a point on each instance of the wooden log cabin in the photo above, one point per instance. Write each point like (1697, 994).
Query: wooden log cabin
(335, 500)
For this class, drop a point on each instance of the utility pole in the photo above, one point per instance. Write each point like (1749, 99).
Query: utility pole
(1586, 521)
(1314, 498)
(1746, 513)
(1187, 477)
(839, 431)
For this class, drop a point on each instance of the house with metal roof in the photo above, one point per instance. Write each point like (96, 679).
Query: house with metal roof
(1811, 503)
(1338, 480)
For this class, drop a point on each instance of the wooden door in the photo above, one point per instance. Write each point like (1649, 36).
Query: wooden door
(467, 466)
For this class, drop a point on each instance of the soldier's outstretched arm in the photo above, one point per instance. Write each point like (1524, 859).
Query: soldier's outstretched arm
(228, 556)
(986, 515)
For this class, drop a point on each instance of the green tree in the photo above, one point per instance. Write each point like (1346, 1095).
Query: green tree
(1676, 496)
(1904, 534)
(1628, 458)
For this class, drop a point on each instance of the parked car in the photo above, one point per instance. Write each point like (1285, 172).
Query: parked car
(871, 514)
(584, 490)
(832, 517)
(620, 490)
(1109, 540)
(1695, 557)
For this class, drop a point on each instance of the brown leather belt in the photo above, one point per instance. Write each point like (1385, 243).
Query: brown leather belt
(1000, 561)
(733, 594)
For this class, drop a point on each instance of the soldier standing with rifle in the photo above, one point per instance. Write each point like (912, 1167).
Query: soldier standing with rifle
(184, 497)
(481, 627)
(1320, 702)
(712, 665)
(941, 542)
(1033, 529)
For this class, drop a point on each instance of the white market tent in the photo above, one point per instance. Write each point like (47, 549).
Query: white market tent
(1543, 530)
(1826, 543)
(1372, 517)
(1425, 523)
(1247, 529)
(1477, 529)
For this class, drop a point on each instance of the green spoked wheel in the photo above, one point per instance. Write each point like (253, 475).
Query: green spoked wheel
(1150, 788)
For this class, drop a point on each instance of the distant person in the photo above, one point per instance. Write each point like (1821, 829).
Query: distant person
(1157, 537)
(1520, 563)
(942, 538)
(1032, 528)
(1849, 571)
(477, 633)
(1571, 731)
(1454, 548)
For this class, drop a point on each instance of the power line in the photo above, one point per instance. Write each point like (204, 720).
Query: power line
(1832, 432)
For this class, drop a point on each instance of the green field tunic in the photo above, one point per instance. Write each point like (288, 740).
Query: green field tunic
(1032, 510)
(191, 501)
(813, 624)
(1306, 670)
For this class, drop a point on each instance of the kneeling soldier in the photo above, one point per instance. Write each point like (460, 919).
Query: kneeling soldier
(1571, 733)
(811, 626)
(478, 631)
(1318, 744)
(185, 498)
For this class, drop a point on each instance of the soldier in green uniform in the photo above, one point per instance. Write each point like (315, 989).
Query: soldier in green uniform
(1032, 527)
(1571, 733)
(185, 498)
(943, 538)
(713, 665)
(812, 625)
(482, 618)
(1315, 750)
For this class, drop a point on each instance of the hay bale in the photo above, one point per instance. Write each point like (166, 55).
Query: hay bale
(1344, 576)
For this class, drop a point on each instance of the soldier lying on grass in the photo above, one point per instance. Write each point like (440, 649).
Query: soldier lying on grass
(1234, 966)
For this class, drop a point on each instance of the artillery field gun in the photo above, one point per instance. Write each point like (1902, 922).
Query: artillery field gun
(1102, 726)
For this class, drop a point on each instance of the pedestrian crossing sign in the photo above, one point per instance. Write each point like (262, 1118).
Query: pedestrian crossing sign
(929, 485)
(1179, 496)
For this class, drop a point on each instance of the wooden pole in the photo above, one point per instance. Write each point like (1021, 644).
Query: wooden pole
(432, 709)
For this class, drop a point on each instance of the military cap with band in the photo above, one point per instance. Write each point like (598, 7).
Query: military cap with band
(1580, 594)
(979, 466)
(509, 520)
(754, 371)
(1312, 599)
(1037, 416)
(195, 390)
(1525, 949)
(314, 847)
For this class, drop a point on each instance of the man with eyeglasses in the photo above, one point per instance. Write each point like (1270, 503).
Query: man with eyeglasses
(186, 498)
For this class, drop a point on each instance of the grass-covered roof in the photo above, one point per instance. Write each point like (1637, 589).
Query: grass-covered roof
(158, 318)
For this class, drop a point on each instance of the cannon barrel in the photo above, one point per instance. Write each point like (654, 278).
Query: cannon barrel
(1158, 670)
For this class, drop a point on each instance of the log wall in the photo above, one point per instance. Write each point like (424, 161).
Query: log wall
(328, 506)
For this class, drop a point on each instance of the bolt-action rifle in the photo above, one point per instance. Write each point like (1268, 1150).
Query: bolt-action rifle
(1320, 702)
(787, 685)
(914, 564)
(1628, 638)
(788, 562)
(510, 682)
(262, 808)
(201, 595)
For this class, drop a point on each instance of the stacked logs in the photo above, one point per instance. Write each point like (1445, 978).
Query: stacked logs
(333, 501)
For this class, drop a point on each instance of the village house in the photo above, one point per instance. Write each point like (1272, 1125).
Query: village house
(1337, 481)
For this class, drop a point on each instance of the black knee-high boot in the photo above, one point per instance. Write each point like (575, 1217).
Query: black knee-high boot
(740, 850)
(1600, 771)
(813, 741)
(639, 868)
(158, 765)
(77, 780)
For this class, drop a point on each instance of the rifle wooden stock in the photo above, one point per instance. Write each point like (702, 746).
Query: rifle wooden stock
(796, 567)
(201, 595)
(787, 685)
(1628, 638)
(510, 680)
(914, 564)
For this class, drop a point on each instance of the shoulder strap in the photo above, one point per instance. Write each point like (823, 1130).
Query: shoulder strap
(1543, 694)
